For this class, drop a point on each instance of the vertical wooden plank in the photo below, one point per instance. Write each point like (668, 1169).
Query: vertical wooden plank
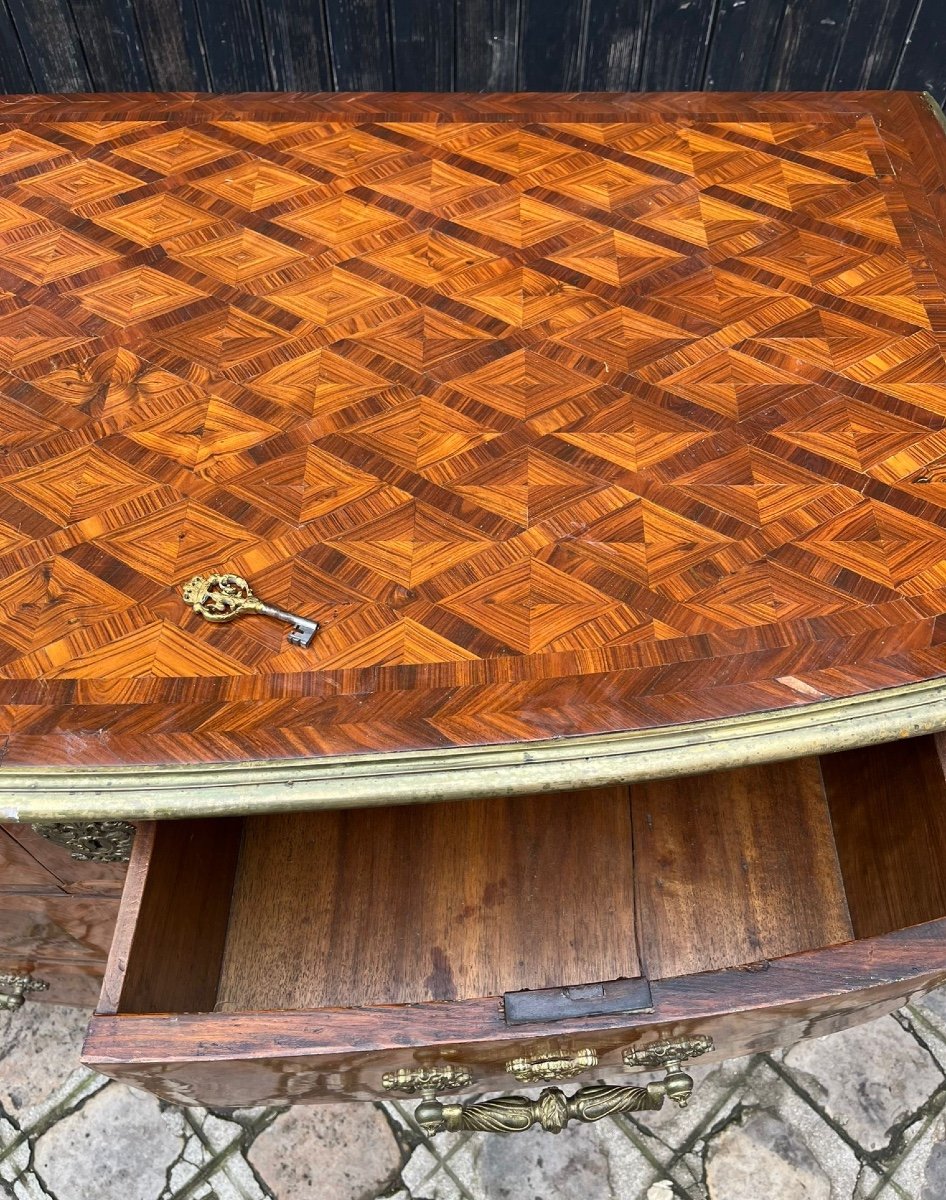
(923, 65)
(14, 72)
(735, 867)
(614, 44)
(872, 43)
(234, 45)
(172, 921)
(550, 45)
(111, 45)
(423, 33)
(888, 805)
(487, 45)
(297, 38)
(51, 45)
(360, 32)
(677, 41)
(741, 45)
(171, 36)
(808, 42)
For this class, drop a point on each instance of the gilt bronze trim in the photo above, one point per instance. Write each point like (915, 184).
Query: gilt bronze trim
(361, 780)
(540, 1068)
(90, 841)
(553, 1109)
(14, 988)
(427, 1080)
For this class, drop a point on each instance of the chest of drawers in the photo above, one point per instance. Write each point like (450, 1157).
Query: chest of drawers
(338, 954)
(604, 440)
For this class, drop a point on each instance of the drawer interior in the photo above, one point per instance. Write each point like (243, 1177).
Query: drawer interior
(442, 902)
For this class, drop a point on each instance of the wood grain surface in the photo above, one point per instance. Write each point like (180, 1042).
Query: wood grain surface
(77, 876)
(20, 871)
(337, 946)
(738, 867)
(431, 902)
(479, 45)
(295, 1057)
(561, 414)
(57, 927)
(888, 808)
(172, 926)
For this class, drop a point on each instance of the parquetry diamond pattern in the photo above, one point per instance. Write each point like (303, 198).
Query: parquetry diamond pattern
(654, 396)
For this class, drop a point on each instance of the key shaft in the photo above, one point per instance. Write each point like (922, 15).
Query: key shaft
(218, 598)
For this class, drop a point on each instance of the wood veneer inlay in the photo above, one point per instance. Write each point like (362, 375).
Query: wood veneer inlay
(560, 414)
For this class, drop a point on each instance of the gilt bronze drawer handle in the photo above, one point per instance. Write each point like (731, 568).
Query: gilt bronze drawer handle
(553, 1109)
(18, 986)
(543, 1068)
(223, 597)
(668, 1053)
(427, 1080)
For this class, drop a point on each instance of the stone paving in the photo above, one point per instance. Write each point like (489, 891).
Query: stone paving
(859, 1115)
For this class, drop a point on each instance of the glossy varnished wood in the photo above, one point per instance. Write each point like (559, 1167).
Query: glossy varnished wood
(292, 1057)
(562, 414)
(20, 871)
(57, 915)
(433, 902)
(65, 928)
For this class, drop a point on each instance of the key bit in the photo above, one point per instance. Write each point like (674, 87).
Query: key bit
(224, 597)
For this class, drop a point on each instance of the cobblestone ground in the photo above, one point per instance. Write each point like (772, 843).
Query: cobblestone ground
(860, 1115)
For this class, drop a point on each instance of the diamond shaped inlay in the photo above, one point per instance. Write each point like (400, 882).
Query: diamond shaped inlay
(82, 183)
(137, 295)
(155, 219)
(238, 258)
(78, 485)
(53, 255)
(177, 542)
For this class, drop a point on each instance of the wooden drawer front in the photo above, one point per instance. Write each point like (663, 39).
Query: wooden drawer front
(56, 927)
(246, 1059)
(60, 869)
(73, 983)
(20, 871)
(300, 957)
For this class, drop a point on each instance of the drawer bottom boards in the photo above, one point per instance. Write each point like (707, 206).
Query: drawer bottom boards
(299, 957)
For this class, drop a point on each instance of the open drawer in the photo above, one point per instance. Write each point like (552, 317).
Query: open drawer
(309, 956)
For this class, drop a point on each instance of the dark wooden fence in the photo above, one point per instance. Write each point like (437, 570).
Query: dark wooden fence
(471, 45)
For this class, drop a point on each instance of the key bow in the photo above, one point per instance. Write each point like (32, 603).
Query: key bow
(221, 597)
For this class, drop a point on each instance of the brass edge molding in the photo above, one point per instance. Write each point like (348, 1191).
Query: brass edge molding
(403, 777)
(936, 109)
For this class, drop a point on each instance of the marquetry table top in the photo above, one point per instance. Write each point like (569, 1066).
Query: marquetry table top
(565, 417)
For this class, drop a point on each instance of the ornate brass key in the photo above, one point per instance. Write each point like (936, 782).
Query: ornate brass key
(223, 597)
